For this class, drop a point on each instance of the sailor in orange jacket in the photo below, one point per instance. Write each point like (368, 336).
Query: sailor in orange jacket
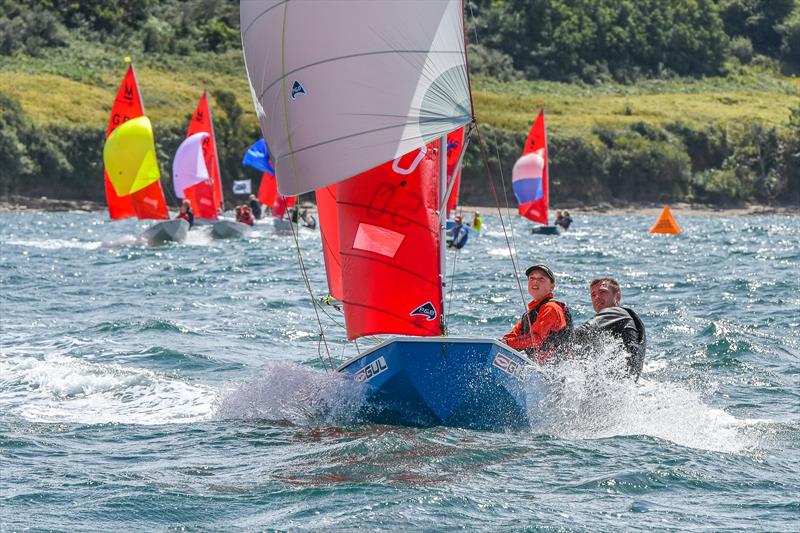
(245, 216)
(547, 326)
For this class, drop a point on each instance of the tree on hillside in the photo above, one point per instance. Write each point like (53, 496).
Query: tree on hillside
(791, 157)
(593, 40)
(29, 29)
(757, 20)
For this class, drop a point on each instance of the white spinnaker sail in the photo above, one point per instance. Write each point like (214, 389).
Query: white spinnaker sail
(343, 86)
(189, 167)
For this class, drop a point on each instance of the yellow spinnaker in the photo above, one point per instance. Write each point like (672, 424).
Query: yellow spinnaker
(130, 156)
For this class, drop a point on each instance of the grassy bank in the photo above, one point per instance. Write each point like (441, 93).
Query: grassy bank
(63, 89)
(601, 135)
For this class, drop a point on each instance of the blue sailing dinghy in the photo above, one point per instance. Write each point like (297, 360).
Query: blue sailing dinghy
(463, 382)
(362, 119)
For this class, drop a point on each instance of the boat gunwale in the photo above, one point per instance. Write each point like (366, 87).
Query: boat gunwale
(456, 340)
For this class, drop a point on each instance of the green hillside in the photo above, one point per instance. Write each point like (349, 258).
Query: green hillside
(729, 136)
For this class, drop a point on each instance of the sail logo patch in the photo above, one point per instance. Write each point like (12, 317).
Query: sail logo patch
(297, 88)
(511, 367)
(427, 310)
(371, 370)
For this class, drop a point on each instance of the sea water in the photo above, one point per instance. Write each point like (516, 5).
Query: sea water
(183, 387)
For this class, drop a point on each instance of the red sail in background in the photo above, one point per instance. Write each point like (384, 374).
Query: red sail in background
(201, 196)
(206, 197)
(329, 231)
(148, 202)
(127, 105)
(268, 195)
(389, 248)
(532, 191)
(281, 204)
(268, 190)
(455, 145)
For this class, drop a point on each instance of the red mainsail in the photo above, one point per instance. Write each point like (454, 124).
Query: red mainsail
(388, 235)
(206, 197)
(148, 202)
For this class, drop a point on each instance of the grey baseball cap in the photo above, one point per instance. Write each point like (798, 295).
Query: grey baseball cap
(543, 268)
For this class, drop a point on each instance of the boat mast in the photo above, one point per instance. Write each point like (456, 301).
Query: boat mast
(546, 169)
(442, 224)
(138, 92)
(445, 190)
(452, 179)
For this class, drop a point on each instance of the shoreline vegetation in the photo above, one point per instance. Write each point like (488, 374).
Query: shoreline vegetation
(709, 118)
(55, 205)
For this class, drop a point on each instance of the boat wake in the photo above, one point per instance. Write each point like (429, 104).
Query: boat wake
(127, 240)
(590, 400)
(199, 237)
(56, 244)
(62, 389)
(292, 393)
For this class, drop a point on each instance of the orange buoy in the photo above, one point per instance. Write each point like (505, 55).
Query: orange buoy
(666, 223)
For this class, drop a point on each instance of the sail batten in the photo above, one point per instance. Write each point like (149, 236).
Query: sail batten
(289, 75)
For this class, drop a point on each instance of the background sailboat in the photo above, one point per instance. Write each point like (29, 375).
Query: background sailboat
(458, 234)
(257, 156)
(189, 169)
(530, 179)
(196, 174)
(205, 195)
(357, 100)
(132, 178)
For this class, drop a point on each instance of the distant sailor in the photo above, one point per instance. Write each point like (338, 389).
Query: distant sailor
(477, 222)
(255, 206)
(245, 215)
(621, 322)
(186, 212)
(563, 220)
(460, 234)
(546, 328)
(308, 220)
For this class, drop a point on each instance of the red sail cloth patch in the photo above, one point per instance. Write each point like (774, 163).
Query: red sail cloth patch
(377, 240)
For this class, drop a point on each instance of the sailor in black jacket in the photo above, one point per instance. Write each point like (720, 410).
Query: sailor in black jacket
(621, 322)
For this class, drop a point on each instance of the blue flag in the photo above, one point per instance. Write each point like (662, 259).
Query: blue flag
(257, 156)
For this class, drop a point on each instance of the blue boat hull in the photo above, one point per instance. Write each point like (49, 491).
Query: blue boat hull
(546, 230)
(423, 381)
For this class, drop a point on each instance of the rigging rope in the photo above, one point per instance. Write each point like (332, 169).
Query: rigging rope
(490, 178)
(294, 173)
(511, 244)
